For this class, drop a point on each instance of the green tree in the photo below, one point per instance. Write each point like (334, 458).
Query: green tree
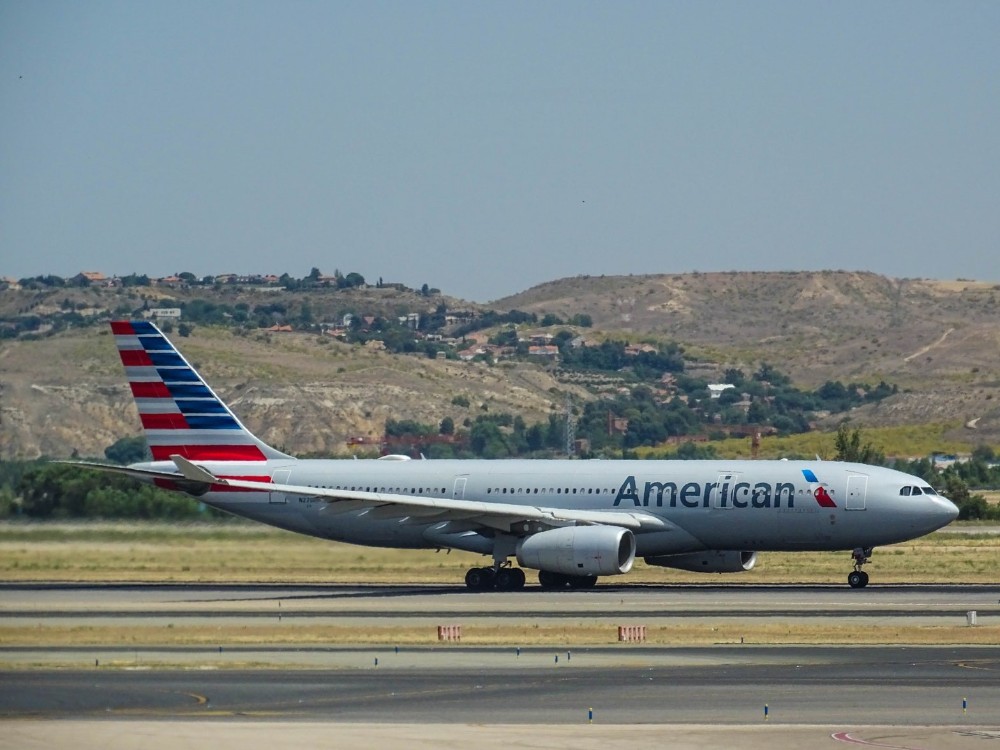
(691, 451)
(849, 448)
(983, 453)
(128, 450)
(970, 507)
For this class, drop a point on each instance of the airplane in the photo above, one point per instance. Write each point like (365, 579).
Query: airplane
(573, 521)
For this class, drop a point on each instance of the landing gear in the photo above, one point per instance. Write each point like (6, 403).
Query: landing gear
(480, 579)
(857, 578)
(509, 579)
(550, 580)
(488, 579)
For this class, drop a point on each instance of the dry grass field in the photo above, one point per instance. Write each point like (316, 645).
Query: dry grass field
(239, 552)
(703, 632)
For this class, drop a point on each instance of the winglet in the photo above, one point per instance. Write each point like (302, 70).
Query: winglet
(194, 472)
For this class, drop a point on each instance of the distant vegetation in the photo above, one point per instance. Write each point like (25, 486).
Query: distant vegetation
(42, 490)
(645, 394)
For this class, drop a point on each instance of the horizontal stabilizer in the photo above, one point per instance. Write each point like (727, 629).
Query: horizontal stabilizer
(194, 472)
(125, 470)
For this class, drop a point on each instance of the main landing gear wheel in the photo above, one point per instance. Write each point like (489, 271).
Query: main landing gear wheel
(550, 580)
(509, 579)
(488, 579)
(480, 579)
(857, 578)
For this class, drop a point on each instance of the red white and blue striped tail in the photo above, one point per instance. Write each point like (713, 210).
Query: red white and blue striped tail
(180, 414)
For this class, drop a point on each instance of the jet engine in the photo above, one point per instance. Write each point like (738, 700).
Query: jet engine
(710, 561)
(579, 550)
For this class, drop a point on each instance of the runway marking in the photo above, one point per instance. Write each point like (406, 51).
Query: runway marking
(968, 665)
(201, 700)
(846, 737)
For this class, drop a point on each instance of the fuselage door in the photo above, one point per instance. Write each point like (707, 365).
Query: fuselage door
(280, 476)
(458, 493)
(857, 487)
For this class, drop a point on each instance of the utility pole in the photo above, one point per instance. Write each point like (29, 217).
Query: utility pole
(570, 427)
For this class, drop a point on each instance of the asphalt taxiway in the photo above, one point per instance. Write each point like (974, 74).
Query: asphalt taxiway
(753, 697)
(800, 685)
(457, 695)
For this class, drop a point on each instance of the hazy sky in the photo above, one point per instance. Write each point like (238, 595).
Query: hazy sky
(486, 147)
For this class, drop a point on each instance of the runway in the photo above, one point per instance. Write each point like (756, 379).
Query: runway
(800, 685)
(456, 695)
(697, 698)
(56, 601)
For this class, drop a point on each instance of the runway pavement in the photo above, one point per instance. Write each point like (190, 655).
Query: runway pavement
(705, 697)
(800, 685)
(455, 696)
(55, 601)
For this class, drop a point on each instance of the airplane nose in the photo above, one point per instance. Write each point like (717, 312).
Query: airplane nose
(946, 509)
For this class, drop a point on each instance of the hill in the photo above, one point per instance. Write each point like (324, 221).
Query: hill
(310, 393)
(938, 340)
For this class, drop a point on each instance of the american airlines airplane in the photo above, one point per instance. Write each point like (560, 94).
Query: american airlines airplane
(572, 521)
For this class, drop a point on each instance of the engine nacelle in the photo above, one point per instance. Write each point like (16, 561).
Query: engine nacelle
(711, 561)
(579, 551)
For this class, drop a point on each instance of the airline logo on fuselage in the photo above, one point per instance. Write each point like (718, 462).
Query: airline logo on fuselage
(820, 493)
(727, 493)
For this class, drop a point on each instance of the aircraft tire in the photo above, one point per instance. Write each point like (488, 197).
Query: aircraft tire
(510, 579)
(857, 579)
(550, 580)
(479, 579)
(582, 582)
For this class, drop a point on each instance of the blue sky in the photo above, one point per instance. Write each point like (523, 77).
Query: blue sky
(486, 147)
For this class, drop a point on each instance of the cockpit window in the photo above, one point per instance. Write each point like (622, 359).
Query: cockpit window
(914, 490)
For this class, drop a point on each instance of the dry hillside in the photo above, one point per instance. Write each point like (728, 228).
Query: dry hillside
(940, 341)
(298, 391)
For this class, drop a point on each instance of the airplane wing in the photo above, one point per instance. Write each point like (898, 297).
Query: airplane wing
(500, 516)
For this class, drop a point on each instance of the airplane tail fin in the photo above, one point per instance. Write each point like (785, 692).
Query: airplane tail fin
(180, 414)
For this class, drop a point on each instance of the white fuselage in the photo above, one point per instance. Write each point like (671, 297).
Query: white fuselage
(704, 505)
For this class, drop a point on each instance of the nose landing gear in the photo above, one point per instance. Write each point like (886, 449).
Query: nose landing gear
(857, 578)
